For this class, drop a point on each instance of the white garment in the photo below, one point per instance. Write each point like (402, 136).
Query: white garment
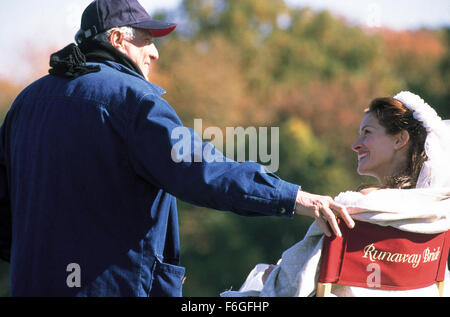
(297, 272)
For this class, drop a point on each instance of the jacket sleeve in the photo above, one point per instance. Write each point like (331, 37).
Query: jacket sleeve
(5, 210)
(174, 158)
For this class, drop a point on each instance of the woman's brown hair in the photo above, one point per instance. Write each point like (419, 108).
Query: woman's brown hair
(395, 117)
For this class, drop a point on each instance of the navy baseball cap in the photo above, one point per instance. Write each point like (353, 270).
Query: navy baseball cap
(102, 15)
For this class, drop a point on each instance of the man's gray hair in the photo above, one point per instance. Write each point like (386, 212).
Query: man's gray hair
(128, 32)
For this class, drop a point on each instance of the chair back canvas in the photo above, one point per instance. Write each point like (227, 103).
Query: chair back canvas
(374, 256)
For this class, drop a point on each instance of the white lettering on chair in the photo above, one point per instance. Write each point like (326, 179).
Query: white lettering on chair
(374, 254)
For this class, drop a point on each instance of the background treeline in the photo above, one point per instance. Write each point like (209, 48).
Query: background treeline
(261, 63)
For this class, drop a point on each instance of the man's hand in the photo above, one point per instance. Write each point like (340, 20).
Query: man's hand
(324, 209)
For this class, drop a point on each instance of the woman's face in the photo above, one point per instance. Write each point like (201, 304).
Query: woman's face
(377, 150)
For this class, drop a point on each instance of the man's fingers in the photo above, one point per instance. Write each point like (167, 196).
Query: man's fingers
(342, 212)
(325, 216)
(325, 210)
(321, 220)
(324, 226)
(331, 218)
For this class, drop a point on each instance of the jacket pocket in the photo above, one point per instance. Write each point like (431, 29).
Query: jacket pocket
(167, 280)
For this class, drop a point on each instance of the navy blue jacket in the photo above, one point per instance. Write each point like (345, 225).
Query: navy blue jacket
(88, 187)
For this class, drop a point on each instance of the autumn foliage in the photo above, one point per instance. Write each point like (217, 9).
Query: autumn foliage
(262, 63)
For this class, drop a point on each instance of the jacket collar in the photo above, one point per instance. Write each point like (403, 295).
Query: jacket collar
(123, 69)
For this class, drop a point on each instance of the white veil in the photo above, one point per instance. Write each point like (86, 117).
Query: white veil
(435, 171)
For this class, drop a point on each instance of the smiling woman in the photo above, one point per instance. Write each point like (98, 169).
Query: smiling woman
(391, 144)
(405, 145)
(379, 153)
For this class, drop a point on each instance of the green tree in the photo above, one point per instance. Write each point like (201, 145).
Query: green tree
(306, 160)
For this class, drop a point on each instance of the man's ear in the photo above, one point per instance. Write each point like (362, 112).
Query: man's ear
(116, 39)
(401, 139)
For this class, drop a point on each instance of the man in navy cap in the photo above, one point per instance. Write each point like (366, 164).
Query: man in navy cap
(87, 175)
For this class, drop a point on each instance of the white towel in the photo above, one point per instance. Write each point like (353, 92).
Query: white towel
(296, 275)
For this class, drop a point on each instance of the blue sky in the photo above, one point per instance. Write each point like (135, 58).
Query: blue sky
(52, 23)
(394, 14)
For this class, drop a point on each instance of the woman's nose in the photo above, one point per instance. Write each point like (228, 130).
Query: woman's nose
(357, 145)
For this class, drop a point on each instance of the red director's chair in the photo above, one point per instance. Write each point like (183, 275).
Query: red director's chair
(378, 257)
